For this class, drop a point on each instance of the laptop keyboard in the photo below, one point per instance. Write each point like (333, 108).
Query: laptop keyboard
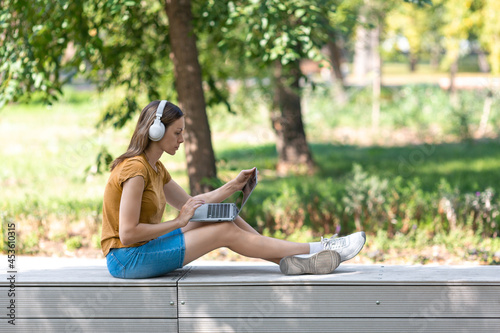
(219, 210)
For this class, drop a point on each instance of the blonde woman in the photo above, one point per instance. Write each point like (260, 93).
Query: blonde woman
(137, 244)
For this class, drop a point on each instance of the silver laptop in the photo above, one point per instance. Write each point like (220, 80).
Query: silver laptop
(221, 212)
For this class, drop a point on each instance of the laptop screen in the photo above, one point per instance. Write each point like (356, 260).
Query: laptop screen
(246, 191)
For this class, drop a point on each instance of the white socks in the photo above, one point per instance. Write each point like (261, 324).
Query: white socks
(315, 247)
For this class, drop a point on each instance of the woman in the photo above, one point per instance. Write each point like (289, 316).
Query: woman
(138, 245)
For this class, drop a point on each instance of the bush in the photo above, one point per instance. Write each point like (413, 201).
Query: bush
(302, 202)
(73, 243)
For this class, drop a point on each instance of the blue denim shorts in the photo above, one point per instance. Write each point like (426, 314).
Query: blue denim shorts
(155, 258)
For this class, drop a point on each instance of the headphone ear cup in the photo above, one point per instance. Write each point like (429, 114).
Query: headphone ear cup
(157, 130)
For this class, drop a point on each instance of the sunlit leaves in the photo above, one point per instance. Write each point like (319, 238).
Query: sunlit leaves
(490, 34)
(286, 30)
(113, 42)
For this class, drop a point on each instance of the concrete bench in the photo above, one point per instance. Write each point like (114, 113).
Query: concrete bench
(76, 296)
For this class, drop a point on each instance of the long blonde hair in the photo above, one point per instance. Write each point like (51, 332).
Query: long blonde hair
(140, 139)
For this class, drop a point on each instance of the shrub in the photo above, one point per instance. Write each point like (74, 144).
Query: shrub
(73, 243)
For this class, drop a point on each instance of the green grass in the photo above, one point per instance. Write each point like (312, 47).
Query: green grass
(468, 166)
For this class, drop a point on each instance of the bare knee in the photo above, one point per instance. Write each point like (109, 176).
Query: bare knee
(228, 231)
(228, 227)
(218, 234)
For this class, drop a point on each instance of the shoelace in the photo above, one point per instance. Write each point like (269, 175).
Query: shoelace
(333, 242)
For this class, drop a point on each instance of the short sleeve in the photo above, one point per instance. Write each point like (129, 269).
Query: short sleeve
(132, 168)
(166, 174)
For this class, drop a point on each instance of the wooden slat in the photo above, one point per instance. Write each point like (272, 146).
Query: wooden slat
(93, 325)
(96, 302)
(291, 325)
(289, 301)
(88, 276)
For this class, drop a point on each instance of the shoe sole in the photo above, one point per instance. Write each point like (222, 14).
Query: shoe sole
(355, 253)
(323, 262)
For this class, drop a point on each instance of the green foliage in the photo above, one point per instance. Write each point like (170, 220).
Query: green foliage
(365, 196)
(361, 201)
(28, 244)
(33, 39)
(262, 33)
(102, 162)
(490, 32)
(96, 240)
(119, 43)
(119, 112)
(296, 203)
(73, 243)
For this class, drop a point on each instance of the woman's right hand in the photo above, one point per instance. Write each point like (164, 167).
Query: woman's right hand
(187, 211)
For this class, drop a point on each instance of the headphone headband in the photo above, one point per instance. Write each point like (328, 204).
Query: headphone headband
(161, 107)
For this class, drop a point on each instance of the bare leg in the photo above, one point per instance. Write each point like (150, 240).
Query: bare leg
(240, 222)
(202, 240)
(245, 226)
(193, 225)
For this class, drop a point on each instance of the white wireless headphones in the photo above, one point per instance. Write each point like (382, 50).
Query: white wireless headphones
(157, 130)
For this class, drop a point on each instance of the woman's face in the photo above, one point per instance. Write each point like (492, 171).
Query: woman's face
(173, 136)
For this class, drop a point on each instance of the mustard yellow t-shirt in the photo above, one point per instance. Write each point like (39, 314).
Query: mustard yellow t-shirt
(152, 204)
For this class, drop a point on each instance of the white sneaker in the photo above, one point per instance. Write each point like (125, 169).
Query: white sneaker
(348, 247)
(322, 262)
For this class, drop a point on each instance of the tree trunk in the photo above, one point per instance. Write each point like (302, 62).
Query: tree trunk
(188, 82)
(435, 57)
(293, 152)
(362, 47)
(413, 62)
(452, 90)
(361, 52)
(482, 61)
(335, 54)
(483, 125)
(377, 74)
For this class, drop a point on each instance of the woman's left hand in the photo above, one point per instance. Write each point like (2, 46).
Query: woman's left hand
(242, 178)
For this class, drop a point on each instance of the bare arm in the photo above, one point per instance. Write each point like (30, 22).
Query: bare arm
(226, 190)
(220, 194)
(176, 196)
(131, 231)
